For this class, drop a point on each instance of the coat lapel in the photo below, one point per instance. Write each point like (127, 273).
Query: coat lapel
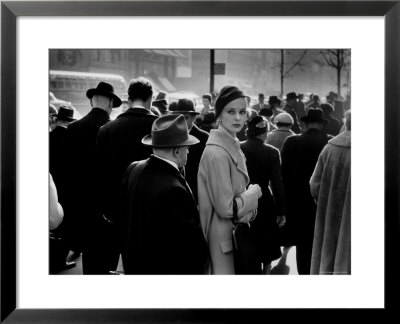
(232, 147)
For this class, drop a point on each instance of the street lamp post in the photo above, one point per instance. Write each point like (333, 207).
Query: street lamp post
(212, 62)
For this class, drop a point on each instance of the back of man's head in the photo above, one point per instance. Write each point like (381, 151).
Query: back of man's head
(140, 89)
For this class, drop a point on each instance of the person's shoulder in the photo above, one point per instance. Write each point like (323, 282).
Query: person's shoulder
(200, 134)
(294, 137)
(270, 148)
(292, 140)
(214, 152)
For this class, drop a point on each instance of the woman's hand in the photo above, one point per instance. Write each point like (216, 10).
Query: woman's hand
(246, 218)
(256, 188)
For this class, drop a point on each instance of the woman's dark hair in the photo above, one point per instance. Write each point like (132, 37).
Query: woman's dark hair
(140, 89)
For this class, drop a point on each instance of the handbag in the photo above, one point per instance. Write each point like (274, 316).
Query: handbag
(244, 247)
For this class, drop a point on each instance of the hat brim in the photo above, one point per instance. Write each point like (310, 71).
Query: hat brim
(65, 118)
(148, 141)
(184, 112)
(116, 100)
(307, 120)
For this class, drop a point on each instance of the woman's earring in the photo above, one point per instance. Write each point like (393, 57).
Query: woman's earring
(219, 120)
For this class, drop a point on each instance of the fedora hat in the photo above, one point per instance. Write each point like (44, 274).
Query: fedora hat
(65, 113)
(105, 89)
(169, 131)
(291, 95)
(273, 100)
(184, 106)
(314, 116)
(327, 108)
(161, 104)
(161, 95)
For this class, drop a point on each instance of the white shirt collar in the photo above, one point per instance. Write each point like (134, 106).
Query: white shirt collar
(168, 161)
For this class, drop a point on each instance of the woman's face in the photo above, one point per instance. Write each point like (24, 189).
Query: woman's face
(234, 116)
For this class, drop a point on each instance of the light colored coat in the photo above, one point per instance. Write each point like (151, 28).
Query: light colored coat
(222, 177)
(331, 185)
(277, 137)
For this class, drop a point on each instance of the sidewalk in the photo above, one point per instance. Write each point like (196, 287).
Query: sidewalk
(286, 265)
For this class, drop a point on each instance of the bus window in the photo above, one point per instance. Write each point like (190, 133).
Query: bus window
(72, 86)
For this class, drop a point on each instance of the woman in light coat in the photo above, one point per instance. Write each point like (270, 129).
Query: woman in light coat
(223, 179)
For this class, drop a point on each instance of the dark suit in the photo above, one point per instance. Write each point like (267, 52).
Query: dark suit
(194, 156)
(333, 126)
(58, 153)
(299, 157)
(264, 167)
(84, 177)
(119, 143)
(162, 233)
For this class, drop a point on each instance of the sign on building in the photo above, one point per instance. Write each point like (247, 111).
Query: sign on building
(219, 68)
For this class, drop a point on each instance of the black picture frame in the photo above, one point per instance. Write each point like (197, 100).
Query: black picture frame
(11, 10)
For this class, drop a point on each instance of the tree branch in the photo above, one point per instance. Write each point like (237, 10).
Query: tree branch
(295, 64)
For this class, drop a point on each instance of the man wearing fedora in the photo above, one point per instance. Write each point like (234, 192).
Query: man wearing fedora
(119, 144)
(84, 219)
(299, 157)
(290, 108)
(162, 232)
(186, 108)
(58, 146)
(58, 165)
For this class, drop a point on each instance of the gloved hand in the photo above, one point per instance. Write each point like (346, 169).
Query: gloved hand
(256, 188)
(246, 218)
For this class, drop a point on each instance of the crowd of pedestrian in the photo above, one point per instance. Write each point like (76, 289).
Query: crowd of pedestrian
(163, 185)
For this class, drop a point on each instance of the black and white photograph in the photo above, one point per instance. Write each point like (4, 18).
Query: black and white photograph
(166, 161)
(186, 140)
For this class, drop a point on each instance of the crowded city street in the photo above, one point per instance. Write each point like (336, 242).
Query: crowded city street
(204, 162)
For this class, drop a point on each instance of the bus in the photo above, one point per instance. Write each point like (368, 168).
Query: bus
(71, 86)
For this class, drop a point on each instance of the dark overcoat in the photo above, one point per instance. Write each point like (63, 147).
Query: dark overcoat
(58, 165)
(299, 157)
(162, 232)
(264, 167)
(194, 156)
(83, 175)
(118, 145)
(333, 126)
